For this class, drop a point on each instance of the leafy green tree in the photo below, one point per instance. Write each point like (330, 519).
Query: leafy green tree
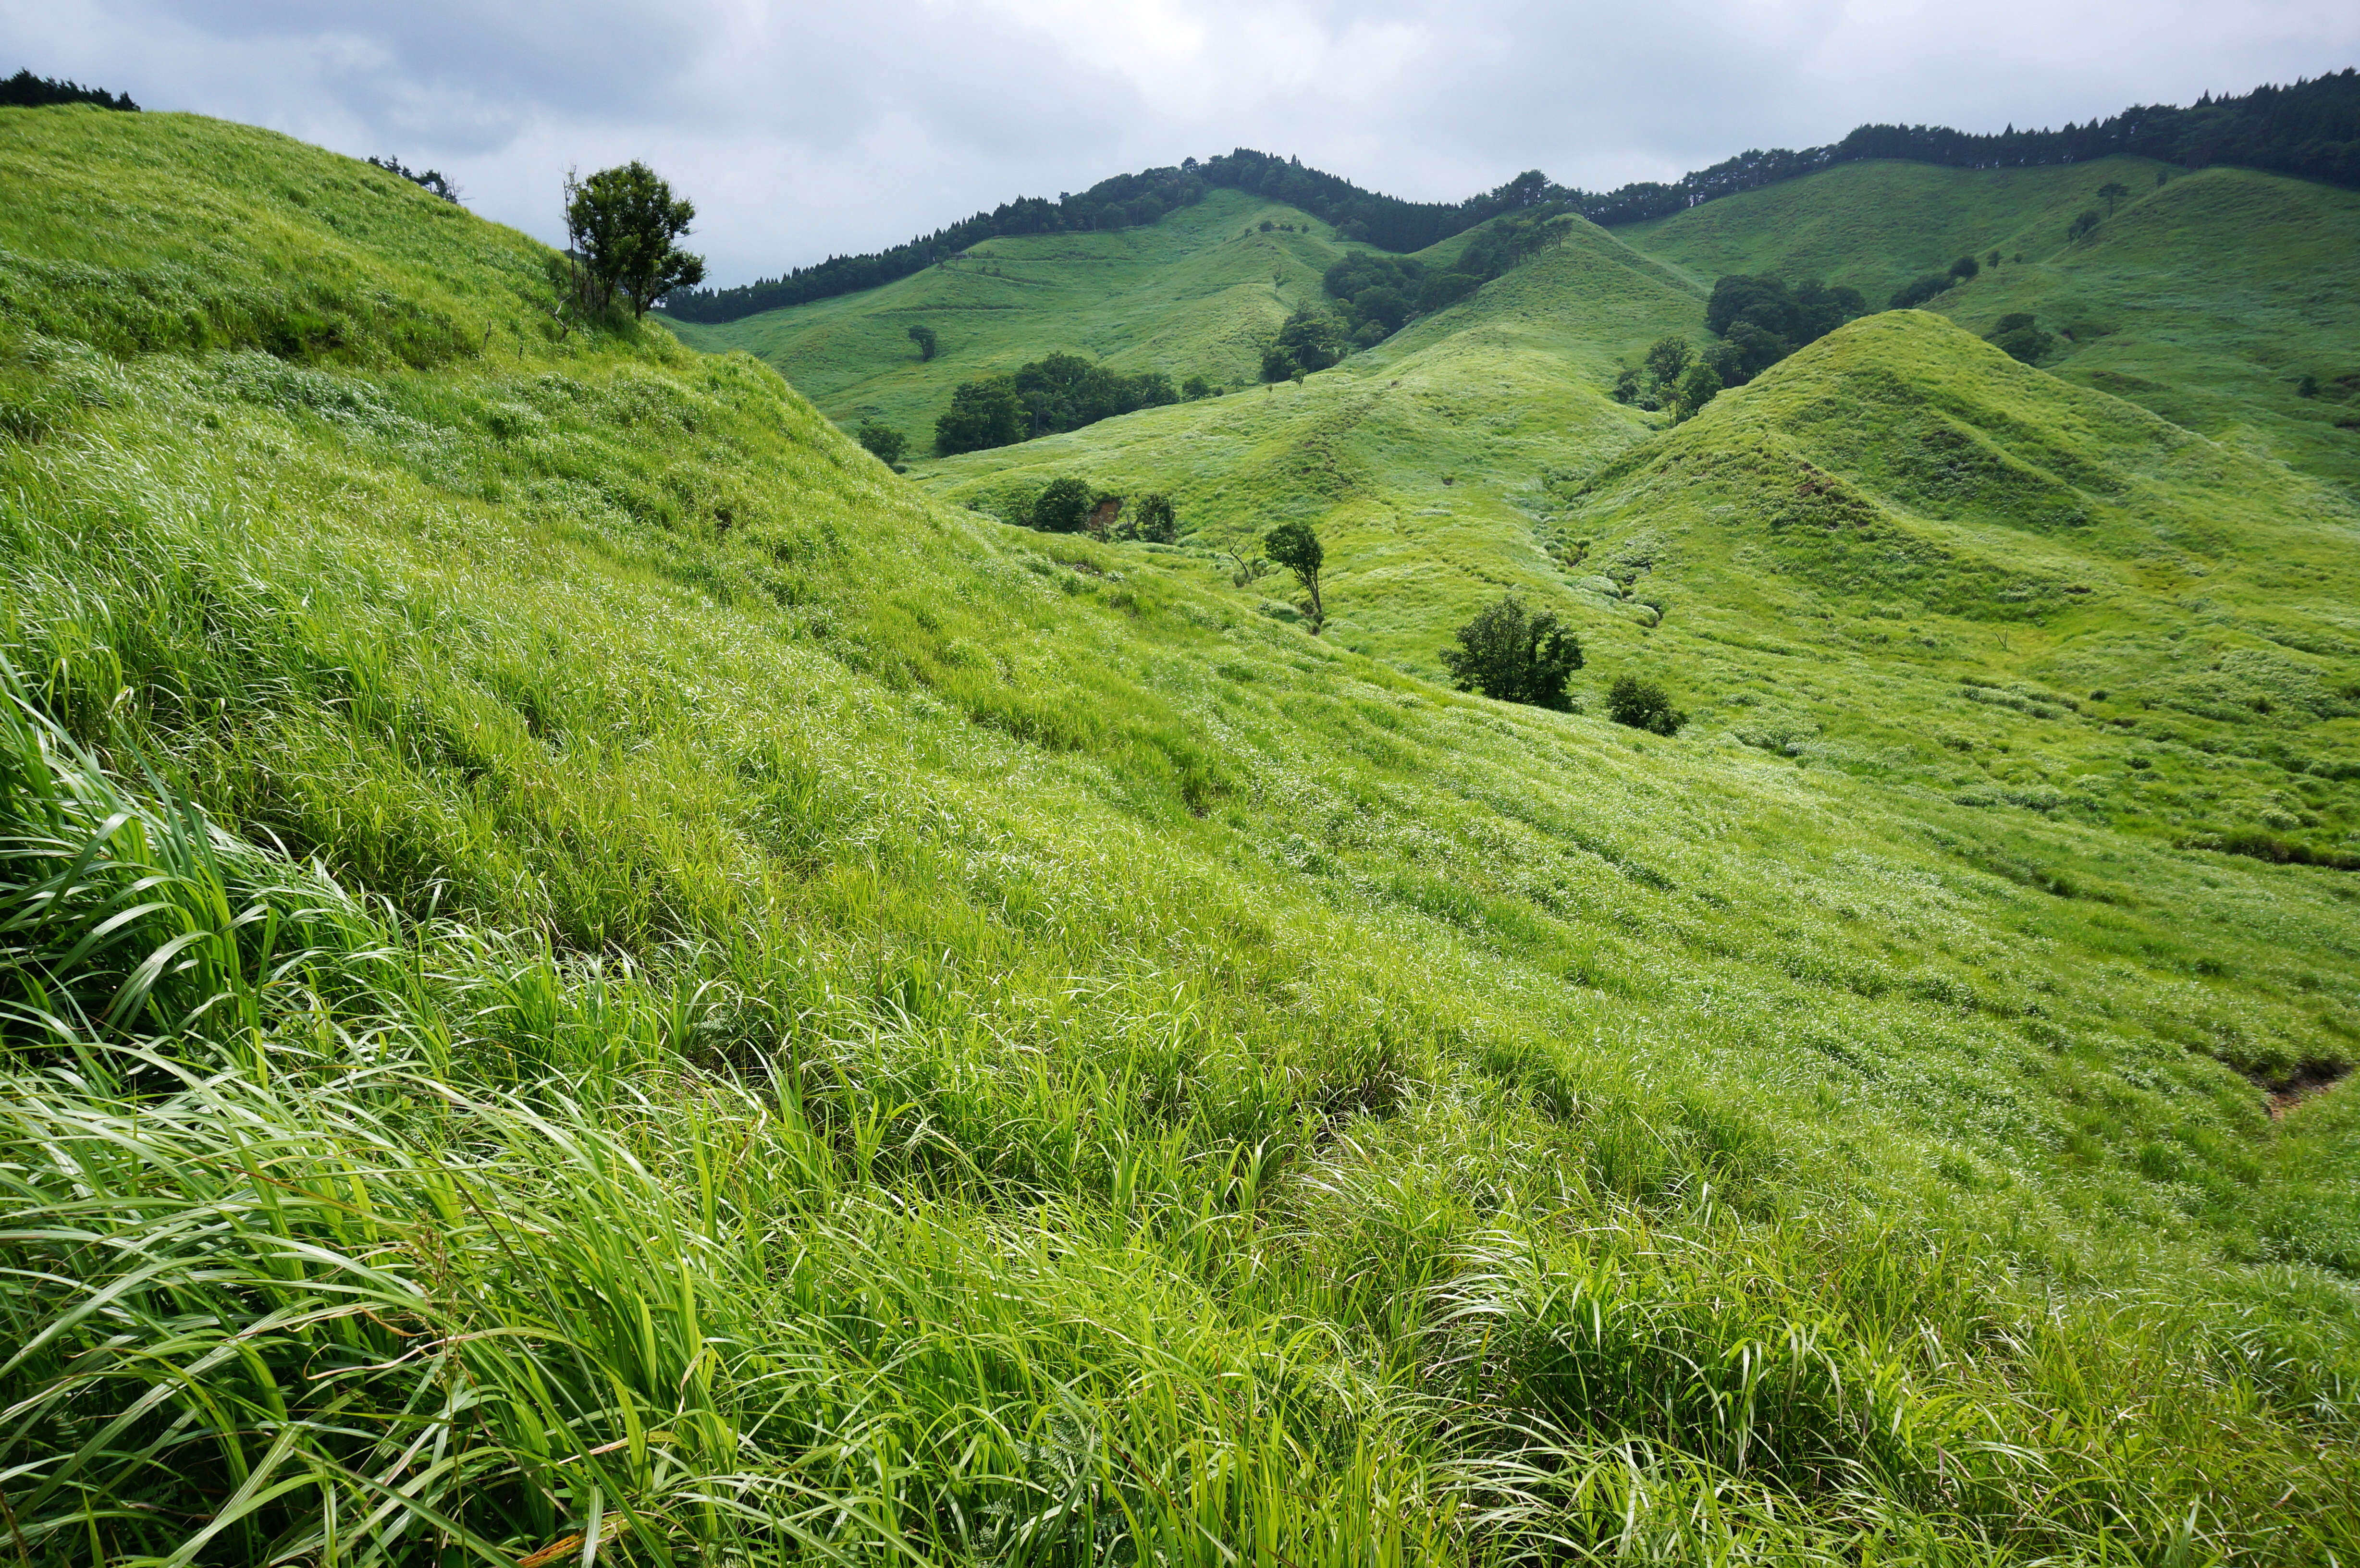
(1062, 507)
(1311, 338)
(884, 442)
(1514, 657)
(924, 338)
(2112, 193)
(1699, 384)
(983, 413)
(2307, 387)
(1293, 546)
(2015, 334)
(621, 223)
(1626, 385)
(2083, 221)
(1643, 705)
(1664, 359)
(1196, 387)
(1992, 260)
(1275, 364)
(1156, 522)
(1965, 267)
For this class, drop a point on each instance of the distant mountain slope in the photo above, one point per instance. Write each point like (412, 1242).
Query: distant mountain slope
(1197, 293)
(2206, 299)
(1421, 462)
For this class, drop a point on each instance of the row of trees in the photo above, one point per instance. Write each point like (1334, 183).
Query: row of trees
(1759, 320)
(1135, 199)
(1061, 392)
(431, 179)
(27, 91)
(2311, 129)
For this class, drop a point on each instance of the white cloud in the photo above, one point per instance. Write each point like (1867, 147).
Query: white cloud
(803, 129)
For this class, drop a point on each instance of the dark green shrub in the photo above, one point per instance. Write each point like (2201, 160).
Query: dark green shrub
(1916, 292)
(2015, 334)
(1643, 705)
(924, 338)
(884, 442)
(1063, 507)
(1156, 522)
(1506, 654)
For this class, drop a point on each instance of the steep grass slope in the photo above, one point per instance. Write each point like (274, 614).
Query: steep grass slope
(591, 975)
(1423, 463)
(2207, 299)
(1195, 294)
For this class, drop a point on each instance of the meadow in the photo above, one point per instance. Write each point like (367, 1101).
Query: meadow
(591, 974)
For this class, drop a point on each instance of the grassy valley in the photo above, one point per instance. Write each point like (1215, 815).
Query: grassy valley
(591, 974)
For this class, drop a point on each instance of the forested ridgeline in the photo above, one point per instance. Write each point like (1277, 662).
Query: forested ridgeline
(2311, 129)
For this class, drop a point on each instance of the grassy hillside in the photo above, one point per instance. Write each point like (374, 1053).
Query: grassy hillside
(1195, 294)
(1423, 464)
(589, 975)
(2206, 299)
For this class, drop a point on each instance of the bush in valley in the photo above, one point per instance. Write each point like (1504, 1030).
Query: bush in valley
(1643, 705)
(1155, 520)
(884, 442)
(2019, 336)
(1308, 341)
(1063, 392)
(1516, 656)
(983, 413)
(1062, 507)
(1917, 290)
(27, 91)
(1760, 321)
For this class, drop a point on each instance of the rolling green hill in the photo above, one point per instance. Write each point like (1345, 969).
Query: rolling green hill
(2206, 299)
(588, 974)
(1195, 294)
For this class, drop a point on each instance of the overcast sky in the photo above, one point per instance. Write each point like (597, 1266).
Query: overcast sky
(803, 129)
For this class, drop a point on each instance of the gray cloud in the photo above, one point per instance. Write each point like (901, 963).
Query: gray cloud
(803, 129)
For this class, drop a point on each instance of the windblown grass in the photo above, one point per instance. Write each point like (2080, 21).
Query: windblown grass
(591, 976)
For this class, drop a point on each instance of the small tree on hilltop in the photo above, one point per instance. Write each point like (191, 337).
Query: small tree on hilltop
(621, 223)
(924, 338)
(1516, 656)
(1643, 705)
(2111, 192)
(884, 442)
(1296, 547)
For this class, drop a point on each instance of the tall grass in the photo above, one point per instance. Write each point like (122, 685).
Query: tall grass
(542, 1026)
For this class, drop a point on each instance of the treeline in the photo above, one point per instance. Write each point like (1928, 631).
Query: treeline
(27, 91)
(1128, 201)
(2311, 129)
(1063, 392)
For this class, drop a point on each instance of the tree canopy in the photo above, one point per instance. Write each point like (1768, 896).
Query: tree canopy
(27, 91)
(1293, 546)
(622, 222)
(1060, 392)
(1516, 656)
